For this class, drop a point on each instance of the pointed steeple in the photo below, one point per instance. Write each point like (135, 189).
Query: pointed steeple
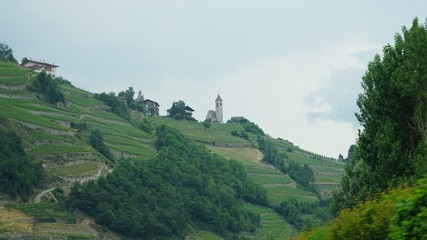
(218, 108)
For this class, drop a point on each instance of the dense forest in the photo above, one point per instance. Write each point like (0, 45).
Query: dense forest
(19, 174)
(185, 185)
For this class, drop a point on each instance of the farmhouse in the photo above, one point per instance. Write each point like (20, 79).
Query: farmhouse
(39, 66)
(216, 116)
(152, 107)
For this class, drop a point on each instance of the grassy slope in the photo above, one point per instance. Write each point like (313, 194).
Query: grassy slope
(67, 156)
(278, 185)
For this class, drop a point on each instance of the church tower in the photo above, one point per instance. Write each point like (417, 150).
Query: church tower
(218, 108)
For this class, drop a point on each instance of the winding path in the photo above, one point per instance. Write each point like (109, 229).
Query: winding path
(39, 196)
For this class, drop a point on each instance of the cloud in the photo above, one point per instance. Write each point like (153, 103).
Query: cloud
(308, 99)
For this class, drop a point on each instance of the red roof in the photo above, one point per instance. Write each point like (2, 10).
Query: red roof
(218, 98)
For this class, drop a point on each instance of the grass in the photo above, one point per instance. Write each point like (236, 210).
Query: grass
(273, 226)
(217, 133)
(205, 235)
(143, 151)
(84, 101)
(59, 149)
(275, 182)
(45, 211)
(82, 169)
(10, 111)
(37, 135)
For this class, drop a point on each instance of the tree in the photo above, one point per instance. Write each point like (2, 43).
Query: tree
(127, 96)
(207, 123)
(118, 107)
(18, 173)
(48, 87)
(393, 114)
(6, 54)
(97, 141)
(178, 111)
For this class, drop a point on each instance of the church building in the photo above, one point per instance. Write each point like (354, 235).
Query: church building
(216, 116)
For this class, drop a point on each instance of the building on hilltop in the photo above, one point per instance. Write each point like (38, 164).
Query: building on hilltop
(39, 66)
(216, 116)
(188, 110)
(152, 107)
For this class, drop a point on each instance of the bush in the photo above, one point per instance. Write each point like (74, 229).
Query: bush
(118, 106)
(97, 141)
(235, 133)
(409, 221)
(398, 214)
(48, 87)
(145, 125)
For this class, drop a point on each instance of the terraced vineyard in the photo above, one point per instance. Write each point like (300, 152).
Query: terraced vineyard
(279, 186)
(64, 151)
(66, 155)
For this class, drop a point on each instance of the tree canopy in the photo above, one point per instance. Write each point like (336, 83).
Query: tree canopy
(184, 185)
(6, 53)
(47, 87)
(179, 111)
(18, 173)
(393, 113)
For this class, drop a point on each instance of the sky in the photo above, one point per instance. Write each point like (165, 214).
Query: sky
(292, 67)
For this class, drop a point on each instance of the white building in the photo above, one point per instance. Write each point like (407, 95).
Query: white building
(216, 116)
(39, 66)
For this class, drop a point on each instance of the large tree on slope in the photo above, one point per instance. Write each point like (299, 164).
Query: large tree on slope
(393, 114)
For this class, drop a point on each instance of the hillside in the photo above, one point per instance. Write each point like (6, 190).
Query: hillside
(58, 135)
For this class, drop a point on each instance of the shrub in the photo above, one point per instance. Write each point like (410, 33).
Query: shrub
(409, 221)
(235, 133)
(97, 141)
(48, 87)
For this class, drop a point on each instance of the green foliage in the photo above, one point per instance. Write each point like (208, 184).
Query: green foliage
(145, 125)
(134, 104)
(398, 214)
(409, 220)
(6, 54)
(179, 111)
(235, 133)
(303, 175)
(207, 123)
(184, 185)
(118, 106)
(242, 134)
(393, 113)
(271, 155)
(248, 126)
(293, 211)
(81, 126)
(18, 174)
(46, 212)
(97, 141)
(48, 87)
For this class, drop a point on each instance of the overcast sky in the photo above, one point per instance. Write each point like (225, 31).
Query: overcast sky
(292, 67)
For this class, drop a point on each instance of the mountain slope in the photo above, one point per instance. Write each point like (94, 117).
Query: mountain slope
(57, 135)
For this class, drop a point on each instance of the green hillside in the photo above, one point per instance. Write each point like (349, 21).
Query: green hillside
(57, 135)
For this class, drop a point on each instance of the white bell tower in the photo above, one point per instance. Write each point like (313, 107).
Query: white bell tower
(218, 109)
